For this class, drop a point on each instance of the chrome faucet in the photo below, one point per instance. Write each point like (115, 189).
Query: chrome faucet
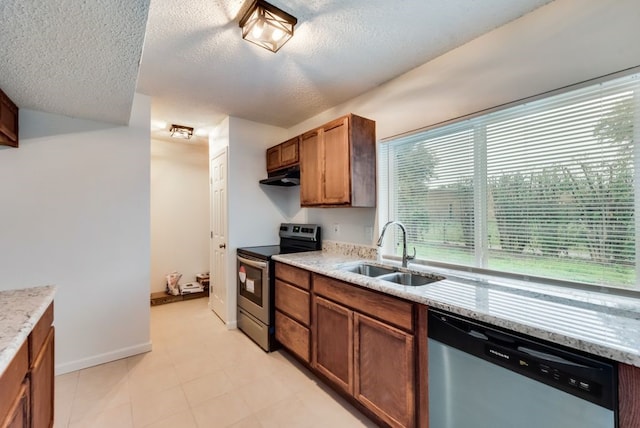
(405, 256)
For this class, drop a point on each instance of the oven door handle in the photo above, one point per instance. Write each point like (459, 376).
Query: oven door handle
(259, 265)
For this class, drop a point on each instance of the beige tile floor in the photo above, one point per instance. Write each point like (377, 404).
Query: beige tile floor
(199, 374)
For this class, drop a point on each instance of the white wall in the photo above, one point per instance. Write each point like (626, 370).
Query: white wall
(75, 213)
(179, 210)
(562, 43)
(565, 42)
(254, 211)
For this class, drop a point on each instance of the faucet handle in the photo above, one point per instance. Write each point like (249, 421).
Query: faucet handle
(413, 256)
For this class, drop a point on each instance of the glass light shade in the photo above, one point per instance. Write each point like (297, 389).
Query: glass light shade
(180, 131)
(267, 26)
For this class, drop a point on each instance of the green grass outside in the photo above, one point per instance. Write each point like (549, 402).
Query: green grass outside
(567, 269)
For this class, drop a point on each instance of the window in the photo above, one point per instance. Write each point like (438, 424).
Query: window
(545, 188)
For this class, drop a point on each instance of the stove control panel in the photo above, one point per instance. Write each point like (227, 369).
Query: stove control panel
(307, 232)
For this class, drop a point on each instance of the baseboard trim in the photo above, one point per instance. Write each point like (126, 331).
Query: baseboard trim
(102, 358)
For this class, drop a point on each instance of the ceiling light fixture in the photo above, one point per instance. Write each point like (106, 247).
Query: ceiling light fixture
(267, 26)
(180, 131)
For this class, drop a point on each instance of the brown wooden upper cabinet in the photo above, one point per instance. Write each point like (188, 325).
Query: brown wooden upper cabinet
(338, 164)
(282, 155)
(8, 121)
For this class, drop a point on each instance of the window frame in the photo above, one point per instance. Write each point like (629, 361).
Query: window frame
(481, 187)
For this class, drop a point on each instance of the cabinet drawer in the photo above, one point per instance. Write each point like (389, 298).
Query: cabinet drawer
(381, 306)
(293, 336)
(293, 275)
(40, 333)
(12, 378)
(293, 301)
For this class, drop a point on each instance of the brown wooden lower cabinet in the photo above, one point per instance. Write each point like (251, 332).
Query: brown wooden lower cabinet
(293, 336)
(369, 356)
(385, 370)
(373, 348)
(293, 301)
(42, 384)
(333, 342)
(293, 310)
(629, 396)
(27, 385)
(18, 415)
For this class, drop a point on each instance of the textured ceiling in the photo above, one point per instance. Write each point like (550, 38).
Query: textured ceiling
(198, 69)
(72, 57)
(81, 58)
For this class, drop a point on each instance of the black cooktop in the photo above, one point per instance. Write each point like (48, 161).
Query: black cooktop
(294, 238)
(265, 252)
(262, 252)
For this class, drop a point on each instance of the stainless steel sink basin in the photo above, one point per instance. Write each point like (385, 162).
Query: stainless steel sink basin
(392, 274)
(369, 270)
(410, 279)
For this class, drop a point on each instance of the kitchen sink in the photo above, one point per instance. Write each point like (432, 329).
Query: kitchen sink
(410, 279)
(369, 270)
(392, 274)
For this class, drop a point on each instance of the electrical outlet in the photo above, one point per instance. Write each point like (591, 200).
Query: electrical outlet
(336, 228)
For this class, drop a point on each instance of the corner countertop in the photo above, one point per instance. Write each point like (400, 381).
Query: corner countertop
(20, 310)
(602, 324)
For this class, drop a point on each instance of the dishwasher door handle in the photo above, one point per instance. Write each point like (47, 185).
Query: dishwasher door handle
(476, 334)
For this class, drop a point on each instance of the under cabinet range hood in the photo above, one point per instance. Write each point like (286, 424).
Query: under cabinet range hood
(283, 177)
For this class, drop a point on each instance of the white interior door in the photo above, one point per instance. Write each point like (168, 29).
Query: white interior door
(218, 287)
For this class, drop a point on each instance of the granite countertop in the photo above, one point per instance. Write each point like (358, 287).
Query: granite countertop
(20, 310)
(601, 324)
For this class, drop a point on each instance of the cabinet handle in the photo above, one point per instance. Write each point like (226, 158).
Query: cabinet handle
(222, 246)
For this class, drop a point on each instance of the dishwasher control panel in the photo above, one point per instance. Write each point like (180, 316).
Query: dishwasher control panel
(560, 372)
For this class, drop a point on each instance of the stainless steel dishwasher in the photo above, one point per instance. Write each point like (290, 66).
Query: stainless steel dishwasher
(481, 376)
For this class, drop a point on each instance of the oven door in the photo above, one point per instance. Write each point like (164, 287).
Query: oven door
(253, 287)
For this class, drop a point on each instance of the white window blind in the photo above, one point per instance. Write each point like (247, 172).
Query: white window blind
(433, 192)
(544, 188)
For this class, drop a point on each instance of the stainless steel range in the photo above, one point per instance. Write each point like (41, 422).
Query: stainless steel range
(256, 283)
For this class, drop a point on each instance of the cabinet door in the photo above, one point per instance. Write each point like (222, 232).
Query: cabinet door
(273, 158)
(289, 152)
(311, 161)
(12, 384)
(384, 371)
(337, 175)
(42, 384)
(18, 416)
(333, 342)
(629, 396)
(8, 121)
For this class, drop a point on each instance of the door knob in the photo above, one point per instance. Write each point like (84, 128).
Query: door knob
(222, 246)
